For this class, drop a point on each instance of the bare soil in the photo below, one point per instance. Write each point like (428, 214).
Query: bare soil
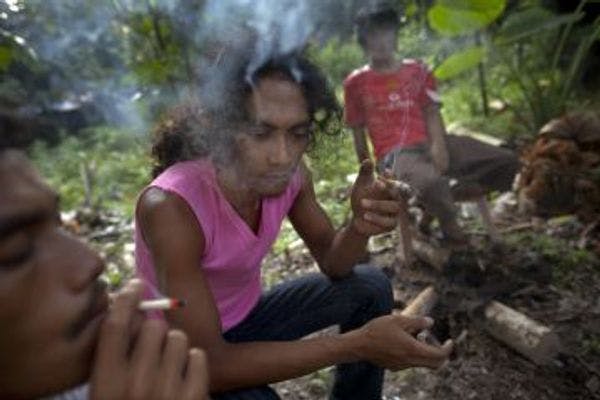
(482, 368)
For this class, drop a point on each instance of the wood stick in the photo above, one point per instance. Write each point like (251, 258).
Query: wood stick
(404, 250)
(421, 305)
(521, 333)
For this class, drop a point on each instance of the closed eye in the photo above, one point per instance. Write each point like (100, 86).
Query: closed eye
(259, 130)
(16, 259)
(301, 130)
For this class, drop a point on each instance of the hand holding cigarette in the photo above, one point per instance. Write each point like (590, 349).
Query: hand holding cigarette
(148, 360)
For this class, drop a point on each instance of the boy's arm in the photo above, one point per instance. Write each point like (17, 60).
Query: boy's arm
(437, 137)
(360, 144)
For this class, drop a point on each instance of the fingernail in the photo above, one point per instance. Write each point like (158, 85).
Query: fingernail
(429, 321)
(365, 202)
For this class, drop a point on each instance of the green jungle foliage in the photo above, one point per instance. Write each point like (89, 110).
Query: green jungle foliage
(504, 69)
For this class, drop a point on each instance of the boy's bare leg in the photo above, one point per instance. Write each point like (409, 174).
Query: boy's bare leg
(488, 223)
(433, 191)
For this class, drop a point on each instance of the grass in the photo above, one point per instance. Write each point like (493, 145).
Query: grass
(562, 255)
(117, 162)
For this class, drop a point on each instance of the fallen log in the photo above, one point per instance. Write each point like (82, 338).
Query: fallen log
(437, 257)
(521, 333)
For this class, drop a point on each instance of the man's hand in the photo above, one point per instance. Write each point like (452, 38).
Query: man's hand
(146, 361)
(388, 342)
(373, 200)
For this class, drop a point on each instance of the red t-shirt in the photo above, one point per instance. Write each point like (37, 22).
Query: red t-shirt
(390, 105)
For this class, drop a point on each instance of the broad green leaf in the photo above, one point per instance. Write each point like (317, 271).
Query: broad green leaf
(531, 21)
(460, 62)
(459, 17)
(6, 56)
(492, 8)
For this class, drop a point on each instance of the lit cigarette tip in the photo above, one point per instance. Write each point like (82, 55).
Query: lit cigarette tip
(161, 304)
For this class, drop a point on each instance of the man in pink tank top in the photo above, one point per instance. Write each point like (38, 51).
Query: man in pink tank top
(205, 223)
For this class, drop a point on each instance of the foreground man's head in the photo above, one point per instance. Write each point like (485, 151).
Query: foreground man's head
(51, 301)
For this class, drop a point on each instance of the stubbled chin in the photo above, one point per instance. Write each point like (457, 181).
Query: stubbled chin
(273, 190)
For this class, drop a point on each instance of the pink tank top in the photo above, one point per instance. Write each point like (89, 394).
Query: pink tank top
(233, 252)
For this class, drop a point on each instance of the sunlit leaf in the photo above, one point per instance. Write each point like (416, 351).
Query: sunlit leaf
(459, 17)
(460, 62)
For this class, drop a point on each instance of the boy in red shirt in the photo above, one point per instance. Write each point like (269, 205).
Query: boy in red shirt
(397, 104)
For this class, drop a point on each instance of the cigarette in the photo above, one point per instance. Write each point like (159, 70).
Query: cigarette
(161, 304)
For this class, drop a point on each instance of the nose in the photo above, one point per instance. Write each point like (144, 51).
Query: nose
(81, 265)
(280, 153)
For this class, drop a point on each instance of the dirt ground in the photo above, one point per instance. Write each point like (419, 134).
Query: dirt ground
(481, 367)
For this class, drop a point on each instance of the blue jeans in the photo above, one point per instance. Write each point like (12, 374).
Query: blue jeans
(294, 309)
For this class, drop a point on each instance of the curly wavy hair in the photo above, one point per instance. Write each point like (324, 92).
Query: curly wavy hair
(206, 126)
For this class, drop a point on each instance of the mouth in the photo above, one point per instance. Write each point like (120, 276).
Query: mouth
(278, 176)
(94, 312)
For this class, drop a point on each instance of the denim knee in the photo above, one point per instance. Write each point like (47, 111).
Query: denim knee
(375, 285)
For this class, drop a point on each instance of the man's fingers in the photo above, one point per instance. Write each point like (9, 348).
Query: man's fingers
(382, 221)
(390, 207)
(173, 364)
(413, 325)
(113, 341)
(433, 356)
(146, 355)
(195, 385)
